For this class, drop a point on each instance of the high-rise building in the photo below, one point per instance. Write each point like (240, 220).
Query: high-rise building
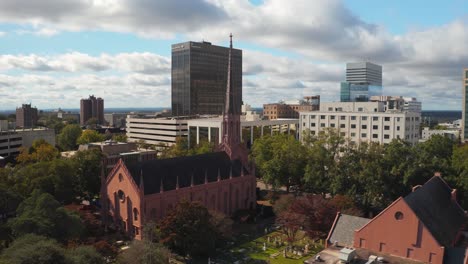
(92, 108)
(363, 80)
(199, 77)
(364, 73)
(26, 116)
(465, 106)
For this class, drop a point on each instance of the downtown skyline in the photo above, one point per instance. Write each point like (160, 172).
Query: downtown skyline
(53, 53)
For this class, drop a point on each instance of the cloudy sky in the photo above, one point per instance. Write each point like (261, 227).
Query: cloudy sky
(54, 52)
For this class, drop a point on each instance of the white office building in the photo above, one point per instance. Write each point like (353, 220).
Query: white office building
(427, 133)
(362, 122)
(156, 130)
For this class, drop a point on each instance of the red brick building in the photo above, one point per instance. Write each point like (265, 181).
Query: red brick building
(425, 226)
(134, 194)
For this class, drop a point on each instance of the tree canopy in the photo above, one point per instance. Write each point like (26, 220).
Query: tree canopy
(41, 214)
(280, 160)
(189, 229)
(375, 174)
(90, 136)
(67, 139)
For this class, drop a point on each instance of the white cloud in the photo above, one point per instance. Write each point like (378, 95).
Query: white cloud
(419, 63)
(75, 62)
(2, 33)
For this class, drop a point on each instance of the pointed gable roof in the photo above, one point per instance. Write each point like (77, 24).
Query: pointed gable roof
(343, 229)
(433, 205)
(167, 174)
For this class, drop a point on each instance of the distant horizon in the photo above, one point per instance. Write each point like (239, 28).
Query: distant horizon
(110, 109)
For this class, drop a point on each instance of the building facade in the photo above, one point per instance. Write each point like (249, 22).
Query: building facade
(113, 151)
(291, 110)
(133, 195)
(92, 108)
(421, 226)
(30, 135)
(26, 116)
(363, 80)
(464, 125)
(199, 76)
(115, 120)
(362, 122)
(10, 143)
(364, 72)
(426, 225)
(210, 128)
(427, 133)
(398, 103)
(155, 131)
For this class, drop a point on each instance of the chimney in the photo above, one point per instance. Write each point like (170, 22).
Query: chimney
(437, 173)
(415, 188)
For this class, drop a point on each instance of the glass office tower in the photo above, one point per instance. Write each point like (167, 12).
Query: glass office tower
(363, 80)
(350, 92)
(199, 75)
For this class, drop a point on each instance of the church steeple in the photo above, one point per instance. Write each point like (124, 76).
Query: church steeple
(231, 115)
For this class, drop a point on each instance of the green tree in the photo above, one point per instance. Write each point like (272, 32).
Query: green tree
(56, 177)
(188, 229)
(144, 252)
(203, 147)
(34, 249)
(460, 176)
(88, 167)
(89, 136)
(41, 214)
(40, 150)
(68, 137)
(119, 137)
(85, 255)
(280, 160)
(322, 159)
(433, 155)
(92, 122)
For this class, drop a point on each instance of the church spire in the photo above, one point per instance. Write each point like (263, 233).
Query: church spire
(231, 115)
(229, 106)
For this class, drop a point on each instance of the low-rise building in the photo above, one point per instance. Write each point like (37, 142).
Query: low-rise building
(11, 140)
(425, 226)
(115, 119)
(30, 135)
(10, 143)
(427, 133)
(399, 103)
(362, 122)
(210, 128)
(156, 130)
(114, 151)
(291, 109)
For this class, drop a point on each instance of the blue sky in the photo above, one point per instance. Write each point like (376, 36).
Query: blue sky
(55, 52)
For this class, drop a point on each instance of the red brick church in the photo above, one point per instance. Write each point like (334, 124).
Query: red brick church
(133, 194)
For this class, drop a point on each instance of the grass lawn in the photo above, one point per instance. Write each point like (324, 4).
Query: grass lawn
(254, 250)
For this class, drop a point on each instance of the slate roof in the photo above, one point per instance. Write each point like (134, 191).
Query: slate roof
(454, 255)
(344, 228)
(433, 205)
(180, 169)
